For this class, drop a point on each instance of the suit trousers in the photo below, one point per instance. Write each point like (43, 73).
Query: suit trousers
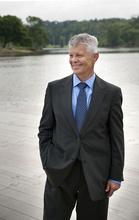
(60, 202)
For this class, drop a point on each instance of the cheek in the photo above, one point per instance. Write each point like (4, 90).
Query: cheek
(90, 64)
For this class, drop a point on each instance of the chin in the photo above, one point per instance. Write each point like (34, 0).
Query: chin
(78, 74)
(77, 71)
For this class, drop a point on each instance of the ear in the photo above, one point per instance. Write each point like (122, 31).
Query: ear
(95, 57)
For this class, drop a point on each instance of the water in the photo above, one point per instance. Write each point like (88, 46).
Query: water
(24, 79)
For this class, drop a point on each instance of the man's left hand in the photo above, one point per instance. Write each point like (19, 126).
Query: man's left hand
(112, 187)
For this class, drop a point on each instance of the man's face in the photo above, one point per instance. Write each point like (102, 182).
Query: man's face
(81, 62)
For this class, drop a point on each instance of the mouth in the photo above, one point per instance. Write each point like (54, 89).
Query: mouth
(76, 66)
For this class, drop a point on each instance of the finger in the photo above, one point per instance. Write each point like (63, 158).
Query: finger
(110, 193)
(107, 188)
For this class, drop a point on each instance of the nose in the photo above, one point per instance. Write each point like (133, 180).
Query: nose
(73, 59)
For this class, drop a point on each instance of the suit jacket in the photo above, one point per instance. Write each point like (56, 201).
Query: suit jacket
(101, 141)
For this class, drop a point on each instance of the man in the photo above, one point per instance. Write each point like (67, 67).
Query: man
(81, 138)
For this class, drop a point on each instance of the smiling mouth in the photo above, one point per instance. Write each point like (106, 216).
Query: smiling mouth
(76, 66)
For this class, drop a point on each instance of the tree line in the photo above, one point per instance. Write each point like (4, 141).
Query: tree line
(37, 33)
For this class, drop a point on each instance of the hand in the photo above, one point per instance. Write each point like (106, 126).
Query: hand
(112, 187)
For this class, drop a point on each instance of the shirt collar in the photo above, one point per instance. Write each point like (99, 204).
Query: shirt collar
(89, 82)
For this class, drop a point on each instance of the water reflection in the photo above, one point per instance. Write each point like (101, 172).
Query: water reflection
(24, 79)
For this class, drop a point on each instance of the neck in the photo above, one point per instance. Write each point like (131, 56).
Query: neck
(84, 78)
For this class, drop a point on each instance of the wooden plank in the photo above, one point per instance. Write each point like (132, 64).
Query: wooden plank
(9, 214)
(23, 197)
(20, 207)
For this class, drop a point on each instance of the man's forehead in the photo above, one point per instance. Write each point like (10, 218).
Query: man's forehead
(80, 47)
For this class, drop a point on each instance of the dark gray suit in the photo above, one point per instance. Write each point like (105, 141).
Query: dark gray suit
(100, 142)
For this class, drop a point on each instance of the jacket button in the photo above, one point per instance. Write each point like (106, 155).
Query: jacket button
(78, 139)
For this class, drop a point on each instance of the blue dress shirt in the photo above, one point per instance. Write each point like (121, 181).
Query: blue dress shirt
(76, 89)
(88, 90)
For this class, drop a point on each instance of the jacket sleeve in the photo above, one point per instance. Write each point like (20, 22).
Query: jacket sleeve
(46, 126)
(116, 137)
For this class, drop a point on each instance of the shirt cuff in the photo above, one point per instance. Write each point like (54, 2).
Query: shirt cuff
(119, 182)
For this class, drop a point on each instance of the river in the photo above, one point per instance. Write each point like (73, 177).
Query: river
(24, 79)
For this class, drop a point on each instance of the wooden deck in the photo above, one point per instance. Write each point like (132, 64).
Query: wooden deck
(22, 178)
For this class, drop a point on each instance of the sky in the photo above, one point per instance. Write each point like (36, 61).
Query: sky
(55, 10)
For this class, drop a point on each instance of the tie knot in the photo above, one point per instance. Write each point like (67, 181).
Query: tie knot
(82, 85)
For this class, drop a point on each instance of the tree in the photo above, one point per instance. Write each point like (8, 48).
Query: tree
(12, 30)
(26, 40)
(130, 32)
(34, 21)
(114, 35)
(37, 32)
(62, 41)
(131, 37)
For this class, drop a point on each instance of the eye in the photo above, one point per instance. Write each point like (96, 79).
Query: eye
(71, 56)
(80, 55)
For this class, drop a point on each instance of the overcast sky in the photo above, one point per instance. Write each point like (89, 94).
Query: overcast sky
(70, 10)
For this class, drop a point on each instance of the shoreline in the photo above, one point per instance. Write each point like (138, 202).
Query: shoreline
(13, 52)
(30, 52)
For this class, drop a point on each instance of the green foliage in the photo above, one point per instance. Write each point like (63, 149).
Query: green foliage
(114, 35)
(34, 21)
(110, 32)
(62, 41)
(37, 32)
(12, 30)
(130, 32)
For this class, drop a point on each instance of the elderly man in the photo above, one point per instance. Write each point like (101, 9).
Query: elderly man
(81, 138)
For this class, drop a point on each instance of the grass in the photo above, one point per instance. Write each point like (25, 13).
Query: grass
(21, 48)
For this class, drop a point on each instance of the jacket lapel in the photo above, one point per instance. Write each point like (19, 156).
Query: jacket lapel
(95, 103)
(66, 95)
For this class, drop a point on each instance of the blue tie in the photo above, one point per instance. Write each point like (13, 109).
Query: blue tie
(81, 108)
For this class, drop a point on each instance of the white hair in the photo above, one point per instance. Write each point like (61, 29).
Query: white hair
(88, 40)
